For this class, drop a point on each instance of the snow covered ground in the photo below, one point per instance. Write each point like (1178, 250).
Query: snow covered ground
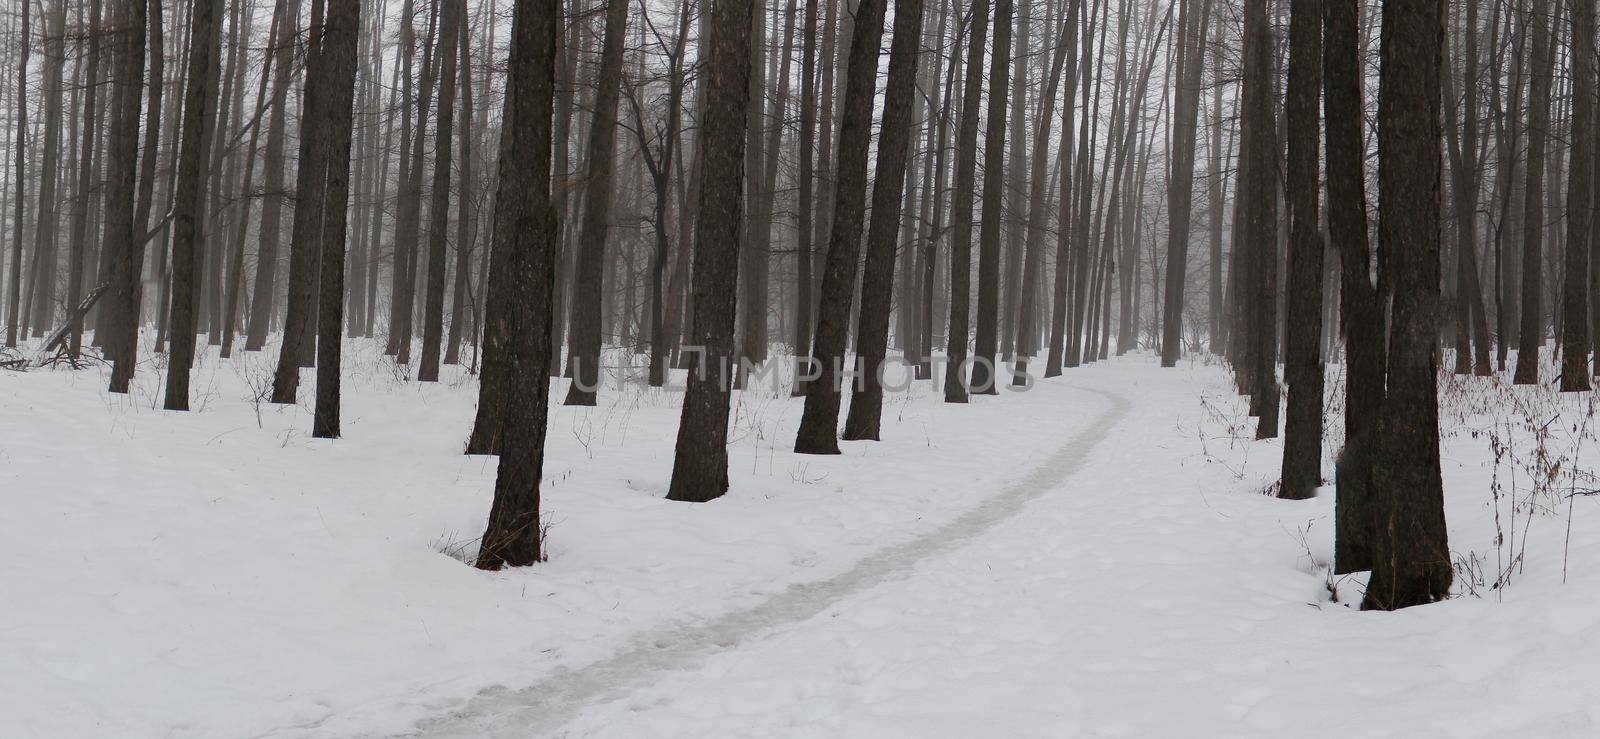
(1089, 558)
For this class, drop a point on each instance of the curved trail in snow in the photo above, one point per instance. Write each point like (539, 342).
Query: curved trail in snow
(542, 708)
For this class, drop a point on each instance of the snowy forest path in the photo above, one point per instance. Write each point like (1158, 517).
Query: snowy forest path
(544, 708)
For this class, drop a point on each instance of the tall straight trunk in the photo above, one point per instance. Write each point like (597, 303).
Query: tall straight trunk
(1532, 330)
(918, 229)
(270, 229)
(1302, 443)
(877, 283)
(818, 432)
(235, 282)
(523, 253)
(189, 199)
(439, 207)
(937, 228)
(40, 300)
(805, 208)
(464, 209)
(19, 194)
(759, 254)
(1087, 133)
(1412, 558)
(299, 318)
(405, 201)
(583, 330)
(1465, 155)
(982, 380)
(1026, 334)
(955, 386)
(1180, 186)
(408, 216)
(1361, 315)
(224, 164)
(382, 156)
(1215, 194)
(169, 184)
(89, 138)
(124, 233)
(1260, 194)
(336, 66)
(1575, 339)
(1017, 198)
(1071, 161)
(700, 465)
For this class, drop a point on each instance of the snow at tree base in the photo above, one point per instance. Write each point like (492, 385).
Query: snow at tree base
(811, 368)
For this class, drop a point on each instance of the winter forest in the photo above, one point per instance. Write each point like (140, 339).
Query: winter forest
(814, 368)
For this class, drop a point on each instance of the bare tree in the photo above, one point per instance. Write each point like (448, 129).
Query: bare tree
(583, 358)
(1411, 563)
(700, 466)
(523, 253)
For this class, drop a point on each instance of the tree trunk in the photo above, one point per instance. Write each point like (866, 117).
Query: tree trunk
(526, 243)
(20, 193)
(955, 386)
(1302, 443)
(819, 423)
(188, 201)
(124, 237)
(982, 380)
(299, 318)
(439, 207)
(877, 284)
(583, 332)
(700, 466)
(1412, 558)
(1531, 333)
(1575, 338)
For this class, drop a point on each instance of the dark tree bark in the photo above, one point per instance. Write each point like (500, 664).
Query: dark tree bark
(955, 387)
(124, 237)
(982, 379)
(1215, 193)
(299, 318)
(336, 66)
(246, 200)
(408, 217)
(40, 300)
(583, 332)
(465, 246)
(819, 424)
(20, 192)
(1026, 336)
(1302, 443)
(1472, 326)
(1180, 187)
(700, 466)
(406, 202)
(1412, 555)
(86, 187)
(439, 209)
(1532, 331)
(877, 283)
(523, 254)
(1361, 317)
(1260, 194)
(270, 228)
(188, 200)
(1580, 214)
(805, 208)
(1071, 162)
